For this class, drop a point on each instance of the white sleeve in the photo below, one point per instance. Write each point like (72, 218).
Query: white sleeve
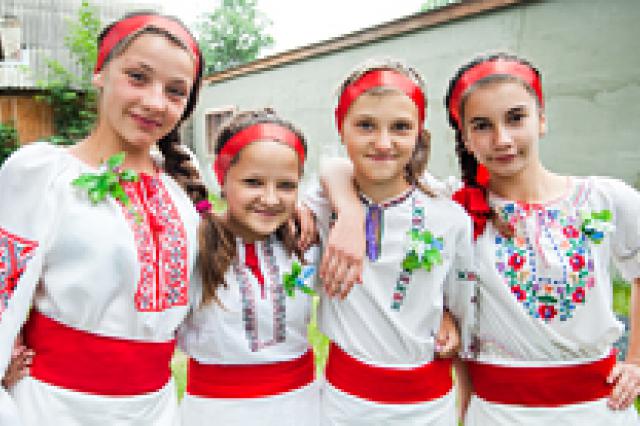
(316, 200)
(626, 235)
(27, 214)
(460, 288)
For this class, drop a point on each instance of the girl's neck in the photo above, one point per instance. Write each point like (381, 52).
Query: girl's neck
(378, 192)
(100, 145)
(535, 185)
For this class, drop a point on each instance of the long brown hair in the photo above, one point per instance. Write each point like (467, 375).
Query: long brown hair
(217, 242)
(468, 162)
(418, 163)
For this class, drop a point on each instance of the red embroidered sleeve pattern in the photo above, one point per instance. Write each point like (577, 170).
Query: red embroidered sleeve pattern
(15, 252)
(161, 242)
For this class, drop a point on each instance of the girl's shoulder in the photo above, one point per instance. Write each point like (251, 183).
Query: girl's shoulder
(34, 164)
(605, 192)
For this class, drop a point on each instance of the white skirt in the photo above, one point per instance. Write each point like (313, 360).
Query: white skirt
(300, 407)
(593, 413)
(340, 408)
(42, 404)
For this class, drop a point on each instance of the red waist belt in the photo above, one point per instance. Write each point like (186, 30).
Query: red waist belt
(249, 380)
(388, 385)
(542, 386)
(85, 362)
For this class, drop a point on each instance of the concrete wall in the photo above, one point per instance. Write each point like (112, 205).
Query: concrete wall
(587, 51)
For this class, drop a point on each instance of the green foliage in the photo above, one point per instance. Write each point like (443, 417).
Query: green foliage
(72, 96)
(435, 4)
(621, 296)
(233, 34)
(8, 141)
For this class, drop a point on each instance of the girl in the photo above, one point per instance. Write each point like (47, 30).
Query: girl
(109, 245)
(250, 361)
(381, 367)
(543, 249)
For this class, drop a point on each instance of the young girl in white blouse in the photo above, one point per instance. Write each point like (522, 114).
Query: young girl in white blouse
(250, 360)
(101, 239)
(544, 243)
(381, 368)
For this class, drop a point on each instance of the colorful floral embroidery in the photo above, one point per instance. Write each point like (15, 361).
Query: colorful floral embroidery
(548, 287)
(15, 252)
(596, 224)
(161, 243)
(249, 315)
(297, 279)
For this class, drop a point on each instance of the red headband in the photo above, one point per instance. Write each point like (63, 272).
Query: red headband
(378, 78)
(493, 67)
(123, 28)
(256, 132)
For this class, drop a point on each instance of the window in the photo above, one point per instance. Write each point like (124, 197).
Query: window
(213, 119)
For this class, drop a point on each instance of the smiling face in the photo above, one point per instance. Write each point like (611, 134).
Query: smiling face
(380, 132)
(502, 126)
(144, 90)
(261, 189)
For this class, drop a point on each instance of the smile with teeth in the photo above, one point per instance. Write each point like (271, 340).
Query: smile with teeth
(381, 157)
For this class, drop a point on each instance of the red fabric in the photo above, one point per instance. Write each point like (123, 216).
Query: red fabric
(256, 132)
(542, 386)
(475, 203)
(482, 175)
(492, 67)
(251, 260)
(388, 385)
(379, 78)
(85, 362)
(249, 380)
(127, 26)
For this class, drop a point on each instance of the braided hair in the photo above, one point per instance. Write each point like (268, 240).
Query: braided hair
(469, 165)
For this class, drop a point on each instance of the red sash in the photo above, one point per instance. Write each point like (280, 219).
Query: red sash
(86, 362)
(542, 386)
(249, 380)
(388, 385)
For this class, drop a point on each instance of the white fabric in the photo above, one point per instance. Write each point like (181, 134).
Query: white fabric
(342, 409)
(509, 333)
(215, 334)
(300, 407)
(366, 327)
(506, 330)
(87, 266)
(593, 413)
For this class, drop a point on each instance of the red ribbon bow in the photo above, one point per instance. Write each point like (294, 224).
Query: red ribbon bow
(475, 203)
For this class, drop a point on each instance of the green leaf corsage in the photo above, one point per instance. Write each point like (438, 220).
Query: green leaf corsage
(596, 224)
(297, 278)
(109, 182)
(425, 251)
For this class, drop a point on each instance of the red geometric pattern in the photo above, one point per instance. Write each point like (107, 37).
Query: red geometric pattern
(15, 252)
(161, 242)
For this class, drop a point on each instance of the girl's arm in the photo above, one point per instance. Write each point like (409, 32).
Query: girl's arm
(463, 386)
(21, 359)
(626, 375)
(341, 265)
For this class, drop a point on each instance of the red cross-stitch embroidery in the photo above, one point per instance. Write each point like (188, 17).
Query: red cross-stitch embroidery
(15, 252)
(162, 246)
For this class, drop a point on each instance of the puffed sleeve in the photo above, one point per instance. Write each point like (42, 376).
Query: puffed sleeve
(626, 234)
(460, 286)
(27, 214)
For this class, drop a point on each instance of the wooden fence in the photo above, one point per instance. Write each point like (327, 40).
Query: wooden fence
(32, 119)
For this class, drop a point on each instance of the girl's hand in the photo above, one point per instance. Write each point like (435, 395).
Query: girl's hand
(448, 337)
(21, 359)
(308, 227)
(341, 265)
(626, 376)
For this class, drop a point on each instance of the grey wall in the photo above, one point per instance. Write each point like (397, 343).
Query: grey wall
(587, 51)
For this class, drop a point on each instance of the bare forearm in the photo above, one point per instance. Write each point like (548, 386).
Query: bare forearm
(336, 177)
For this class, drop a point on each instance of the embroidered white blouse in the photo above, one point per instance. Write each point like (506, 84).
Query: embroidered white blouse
(545, 295)
(393, 317)
(104, 268)
(255, 323)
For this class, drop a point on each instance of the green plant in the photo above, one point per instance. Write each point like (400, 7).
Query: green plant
(72, 95)
(8, 141)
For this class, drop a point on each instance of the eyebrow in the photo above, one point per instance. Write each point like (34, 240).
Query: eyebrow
(150, 69)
